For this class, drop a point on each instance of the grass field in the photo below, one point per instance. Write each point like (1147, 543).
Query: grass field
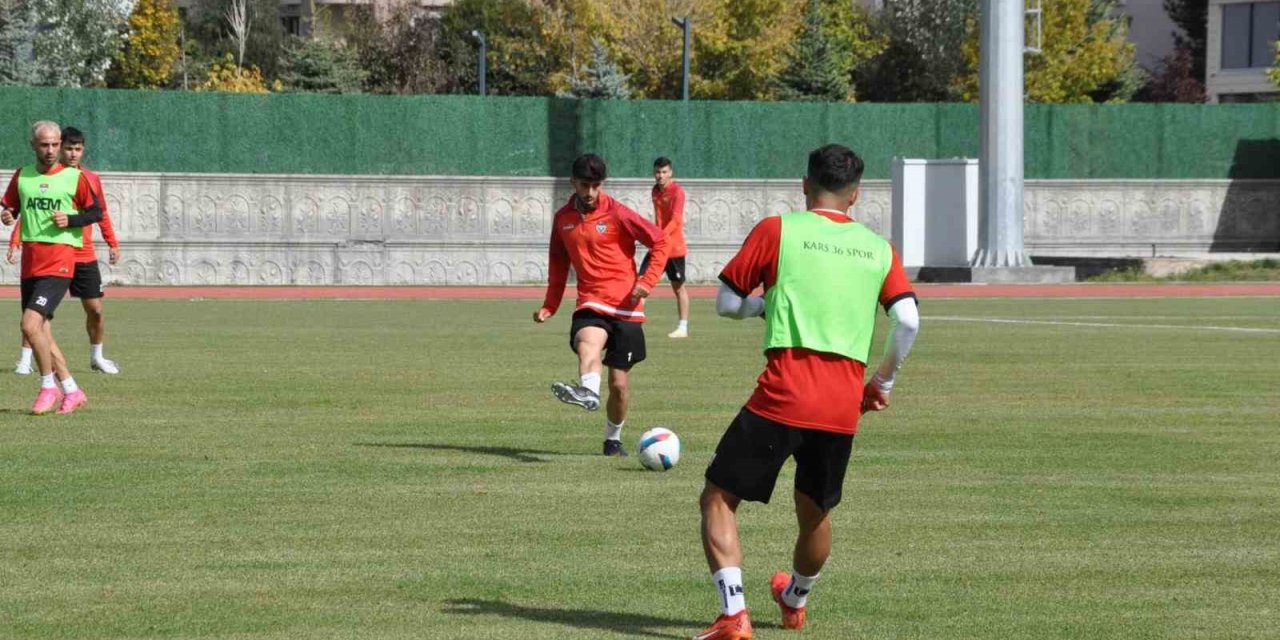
(399, 470)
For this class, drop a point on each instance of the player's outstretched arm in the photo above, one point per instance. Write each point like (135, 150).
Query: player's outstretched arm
(557, 277)
(731, 305)
(904, 319)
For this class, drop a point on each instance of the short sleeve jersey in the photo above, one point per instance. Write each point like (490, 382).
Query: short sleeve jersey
(800, 387)
(41, 259)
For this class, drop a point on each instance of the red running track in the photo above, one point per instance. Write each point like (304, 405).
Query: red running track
(1078, 290)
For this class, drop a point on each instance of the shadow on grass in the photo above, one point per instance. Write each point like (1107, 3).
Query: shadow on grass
(624, 623)
(519, 455)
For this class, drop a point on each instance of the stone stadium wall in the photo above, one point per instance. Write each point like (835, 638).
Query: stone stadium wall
(255, 229)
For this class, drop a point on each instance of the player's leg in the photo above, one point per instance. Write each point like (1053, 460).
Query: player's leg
(676, 274)
(821, 462)
(25, 364)
(96, 326)
(745, 467)
(616, 411)
(86, 284)
(588, 336)
(73, 397)
(40, 298)
(625, 349)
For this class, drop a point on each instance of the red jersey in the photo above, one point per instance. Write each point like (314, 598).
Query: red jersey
(601, 247)
(668, 213)
(86, 252)
(41, 259)
(801, 387)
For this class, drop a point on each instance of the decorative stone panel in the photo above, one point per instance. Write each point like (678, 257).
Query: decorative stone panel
(207, 229)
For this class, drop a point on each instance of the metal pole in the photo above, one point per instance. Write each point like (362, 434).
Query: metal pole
(686, 25)
(481, 62)
(1000, 169)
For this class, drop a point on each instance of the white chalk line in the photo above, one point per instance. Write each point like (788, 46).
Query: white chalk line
(1122, 325)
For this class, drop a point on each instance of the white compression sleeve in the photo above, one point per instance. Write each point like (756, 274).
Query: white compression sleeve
(904, 318)
(731, 305)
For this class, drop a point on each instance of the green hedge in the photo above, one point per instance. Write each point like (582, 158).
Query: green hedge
(467, 135)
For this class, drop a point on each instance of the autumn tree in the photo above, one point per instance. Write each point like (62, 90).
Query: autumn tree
(519, 61)
(645, 43)
(1274, 71)
(921, 56)
(230, 77)
(739, 54)
(150, 47)
(1085, 56)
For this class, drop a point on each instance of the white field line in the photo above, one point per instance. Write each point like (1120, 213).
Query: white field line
(1184, 327)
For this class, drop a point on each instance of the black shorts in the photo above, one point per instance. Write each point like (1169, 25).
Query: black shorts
(86, 282)
(625, 347)
(42, 294)
(753, 450)
(674, 268)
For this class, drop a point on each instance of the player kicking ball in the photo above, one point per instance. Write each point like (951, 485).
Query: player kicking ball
(597, 236)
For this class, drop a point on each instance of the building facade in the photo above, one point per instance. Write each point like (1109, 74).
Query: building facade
(1241, 46)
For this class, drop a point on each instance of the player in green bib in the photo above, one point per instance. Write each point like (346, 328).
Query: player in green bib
(54, 203)
(823, 275)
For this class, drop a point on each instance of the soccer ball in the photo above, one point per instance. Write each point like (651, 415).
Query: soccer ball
(659, 449)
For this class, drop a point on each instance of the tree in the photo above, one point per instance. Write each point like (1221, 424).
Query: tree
(150, 49)
(401, 54)
(237, 16)
(263, 36)
(602, 79)
(646, 45)
(740, 53)
(520, 62)
(921, 57)
(1085, 56)
(1192, 19)
(230, 77)
(814, 70)
(1274, 71)
(16, 64)
(321, 66)
(75, 41)
(1173, 80)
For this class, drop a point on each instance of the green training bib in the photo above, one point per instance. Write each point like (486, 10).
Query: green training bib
(42, 196)
(829, 280)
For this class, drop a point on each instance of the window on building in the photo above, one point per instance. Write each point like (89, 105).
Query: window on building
(292, 25)
(1249, 34)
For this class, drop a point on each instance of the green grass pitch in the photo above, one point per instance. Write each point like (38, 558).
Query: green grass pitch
(399, 470)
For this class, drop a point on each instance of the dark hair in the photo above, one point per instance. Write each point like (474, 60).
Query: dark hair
(662, 162)
(72, 135)
(835, 168)
(590, 167)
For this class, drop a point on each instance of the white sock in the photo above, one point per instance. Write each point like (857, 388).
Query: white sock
(797, 593)
(95, 352)
(69, 386)
(729, 582)
(47, 382)
(613, 431)
(683, 325)
(25, 358)
(592, 382)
